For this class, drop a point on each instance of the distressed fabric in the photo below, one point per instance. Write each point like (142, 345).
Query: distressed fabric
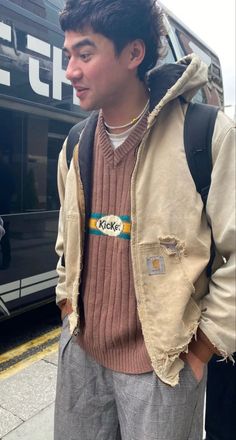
(96, 403)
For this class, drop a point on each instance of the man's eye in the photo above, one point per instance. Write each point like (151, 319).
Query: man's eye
(65, 60)
(85, 56)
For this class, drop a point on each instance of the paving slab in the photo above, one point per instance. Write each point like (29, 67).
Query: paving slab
(52, 358)
(39, 427)
(30, 390)
(8, 422)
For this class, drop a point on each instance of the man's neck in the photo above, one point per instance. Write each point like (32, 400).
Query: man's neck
(126, 110)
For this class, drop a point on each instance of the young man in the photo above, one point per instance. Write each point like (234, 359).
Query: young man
(140, 318)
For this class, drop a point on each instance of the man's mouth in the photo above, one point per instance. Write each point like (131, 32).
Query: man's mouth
(81, 91)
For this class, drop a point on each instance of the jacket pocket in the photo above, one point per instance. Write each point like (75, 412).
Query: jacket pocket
(167, 309)
(175, 249)
(163, 265)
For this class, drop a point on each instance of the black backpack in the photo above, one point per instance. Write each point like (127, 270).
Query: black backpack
(198, 130)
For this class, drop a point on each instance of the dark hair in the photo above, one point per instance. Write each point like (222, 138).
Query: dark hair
(122, 21)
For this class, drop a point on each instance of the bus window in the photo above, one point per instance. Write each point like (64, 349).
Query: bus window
(37, 7)
(169, 58)
(212, 93)
(29, 147)
(167, 53)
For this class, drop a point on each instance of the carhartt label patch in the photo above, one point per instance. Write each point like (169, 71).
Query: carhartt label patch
(156, 265)
(110, 225)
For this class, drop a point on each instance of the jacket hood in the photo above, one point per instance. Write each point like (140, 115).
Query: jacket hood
(171, 81)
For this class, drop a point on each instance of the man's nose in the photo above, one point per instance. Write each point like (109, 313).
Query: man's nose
(73, 70)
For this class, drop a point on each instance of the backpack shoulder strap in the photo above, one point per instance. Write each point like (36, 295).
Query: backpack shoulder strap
(73, 138)
(198, 131)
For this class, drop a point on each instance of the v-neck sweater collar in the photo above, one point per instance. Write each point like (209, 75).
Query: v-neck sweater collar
(114, 157)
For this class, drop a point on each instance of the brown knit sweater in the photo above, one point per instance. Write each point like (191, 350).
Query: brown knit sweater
(111, 332)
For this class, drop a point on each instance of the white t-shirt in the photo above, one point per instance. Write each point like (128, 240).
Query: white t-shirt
(119, 139)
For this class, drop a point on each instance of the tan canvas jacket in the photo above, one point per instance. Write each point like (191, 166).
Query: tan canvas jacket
(171, 236)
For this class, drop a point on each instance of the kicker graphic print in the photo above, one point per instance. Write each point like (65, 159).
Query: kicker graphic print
(110, 225)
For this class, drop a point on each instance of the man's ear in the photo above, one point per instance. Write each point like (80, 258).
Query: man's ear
(136, 53)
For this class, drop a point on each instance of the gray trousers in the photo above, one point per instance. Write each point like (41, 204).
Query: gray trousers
(95, 403)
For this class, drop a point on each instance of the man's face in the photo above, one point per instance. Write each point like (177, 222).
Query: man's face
(100, 77)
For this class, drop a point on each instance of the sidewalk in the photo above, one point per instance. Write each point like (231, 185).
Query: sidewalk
(27, 402)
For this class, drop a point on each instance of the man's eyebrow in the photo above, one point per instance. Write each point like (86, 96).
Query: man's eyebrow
(80, 44)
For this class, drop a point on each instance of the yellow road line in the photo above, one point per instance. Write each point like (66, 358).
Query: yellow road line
(30, 360)
(5, 357)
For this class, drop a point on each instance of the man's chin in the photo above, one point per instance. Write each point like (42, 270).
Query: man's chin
(88, 107)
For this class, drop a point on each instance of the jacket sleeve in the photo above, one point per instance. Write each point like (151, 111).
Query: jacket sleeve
(61, 295)
(218, 321)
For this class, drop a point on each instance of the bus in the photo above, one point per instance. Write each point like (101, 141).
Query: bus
(181, 41)
(37, 109)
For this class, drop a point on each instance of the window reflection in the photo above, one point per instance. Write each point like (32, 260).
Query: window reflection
(29, 149)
